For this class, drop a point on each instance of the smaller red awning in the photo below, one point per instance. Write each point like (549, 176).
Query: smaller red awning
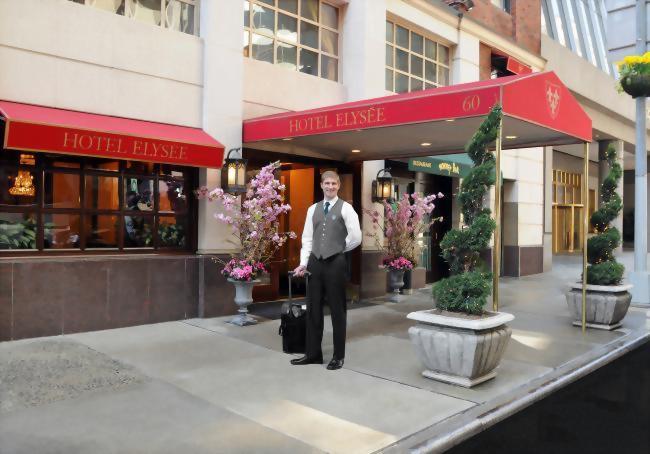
(46, 129)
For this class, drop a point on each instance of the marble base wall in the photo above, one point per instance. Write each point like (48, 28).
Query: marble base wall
(54, 296)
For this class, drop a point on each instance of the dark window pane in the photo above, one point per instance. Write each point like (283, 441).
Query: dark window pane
(428, 85)
(268, 2)
(401, 83)
(402, 37)
(101, 231)
(329, 42)
(138, 231)
(443, 54)
(18, 186)
(417, 43)
(309, 9)
(443, 76)
(431, 50)
(62, 190)
(172, 196)
(286, 55)
(401, 60)
(389, 80)
(171, 231)
(262, 48)
(416, 66)
(389, 32)
(287, 28)
(389, 55)
(114, 166)
(263, 20)
(139, 166)
(247, 14)
(329, 16)
(61, 231)
(309, 34)
(102, 192)
(288, 5)
(329, 68)
(416, 84)
(138, 194)
(17, 231)
(309, 62)
(430, 71)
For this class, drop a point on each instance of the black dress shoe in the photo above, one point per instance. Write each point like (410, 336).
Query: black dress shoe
(306, 360)
(335, 364)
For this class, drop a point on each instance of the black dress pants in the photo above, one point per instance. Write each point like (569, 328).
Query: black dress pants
(327, 282)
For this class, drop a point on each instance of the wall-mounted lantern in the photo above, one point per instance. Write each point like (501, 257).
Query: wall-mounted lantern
(382, 187)
(235, 172)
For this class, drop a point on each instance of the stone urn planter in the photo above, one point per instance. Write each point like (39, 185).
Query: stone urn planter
(458, 348)
(243, 297)
(636, 85)
(396, 282)
(606, 305)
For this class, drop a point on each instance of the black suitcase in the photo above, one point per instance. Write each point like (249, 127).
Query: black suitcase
(293, 328)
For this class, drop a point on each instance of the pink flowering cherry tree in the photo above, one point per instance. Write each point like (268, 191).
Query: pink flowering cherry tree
(401, 226)
(255, 223)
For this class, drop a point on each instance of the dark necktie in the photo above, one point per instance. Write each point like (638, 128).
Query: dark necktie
(327, 207)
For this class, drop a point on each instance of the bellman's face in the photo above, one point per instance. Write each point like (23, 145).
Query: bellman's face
(330, 187)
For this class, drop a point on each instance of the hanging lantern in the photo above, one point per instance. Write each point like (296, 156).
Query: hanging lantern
(236, 173)
(382, 187)
(23, 184)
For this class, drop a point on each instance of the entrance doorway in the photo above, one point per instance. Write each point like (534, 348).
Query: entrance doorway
(567, 210)
(301, 178)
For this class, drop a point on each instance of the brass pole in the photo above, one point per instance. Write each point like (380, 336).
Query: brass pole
(496, 251)
(585, 228)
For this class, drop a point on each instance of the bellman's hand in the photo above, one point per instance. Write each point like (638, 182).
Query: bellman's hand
(300, 271)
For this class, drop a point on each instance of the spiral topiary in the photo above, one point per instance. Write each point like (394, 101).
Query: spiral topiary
(603, 268)
(469, 285)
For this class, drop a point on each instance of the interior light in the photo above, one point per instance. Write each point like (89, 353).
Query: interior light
(511, 137)
(288, 138)
(356, 151)
(450, 119)
(425, 144)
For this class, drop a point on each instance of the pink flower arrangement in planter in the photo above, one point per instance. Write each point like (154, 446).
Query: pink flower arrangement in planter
(399, 263)
(255, 223)
(401, 225)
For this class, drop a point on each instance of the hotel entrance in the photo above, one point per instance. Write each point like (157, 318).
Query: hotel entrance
(301, 177)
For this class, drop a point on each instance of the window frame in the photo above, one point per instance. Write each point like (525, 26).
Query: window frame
(43, 164)
(437, 62)
(248, 49)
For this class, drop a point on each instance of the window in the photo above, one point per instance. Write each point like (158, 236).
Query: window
(301, 35)
(52, 202)
(502, 4)
(179, 15)
(413, 61)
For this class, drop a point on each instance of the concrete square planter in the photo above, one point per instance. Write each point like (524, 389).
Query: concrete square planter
(606, 305)
(459, 349)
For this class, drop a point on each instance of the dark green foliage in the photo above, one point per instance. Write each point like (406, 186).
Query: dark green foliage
(605, 273)
(468, 287)
(20, 235)
(465, 292)
(604, 270)
(462, 248)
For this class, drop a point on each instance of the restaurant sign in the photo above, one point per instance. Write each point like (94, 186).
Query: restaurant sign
(456, 165)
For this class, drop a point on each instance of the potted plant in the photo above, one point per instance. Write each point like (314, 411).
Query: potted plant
(401, 227)
(255, 224)
(634, 72)
(607, 300)
(459, 342)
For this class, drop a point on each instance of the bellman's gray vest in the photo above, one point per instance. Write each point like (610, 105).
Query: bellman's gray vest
(329, 231)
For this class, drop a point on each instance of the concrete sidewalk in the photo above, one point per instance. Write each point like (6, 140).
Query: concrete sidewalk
(203, 385)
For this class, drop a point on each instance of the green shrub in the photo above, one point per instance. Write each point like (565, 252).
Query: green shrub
(465, 292)
(603, 268)
(468, 287)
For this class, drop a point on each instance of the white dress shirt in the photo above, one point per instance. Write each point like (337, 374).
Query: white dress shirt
(351, 219)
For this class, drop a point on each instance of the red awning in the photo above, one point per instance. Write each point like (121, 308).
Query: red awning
(538, 110)
(35, 128)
